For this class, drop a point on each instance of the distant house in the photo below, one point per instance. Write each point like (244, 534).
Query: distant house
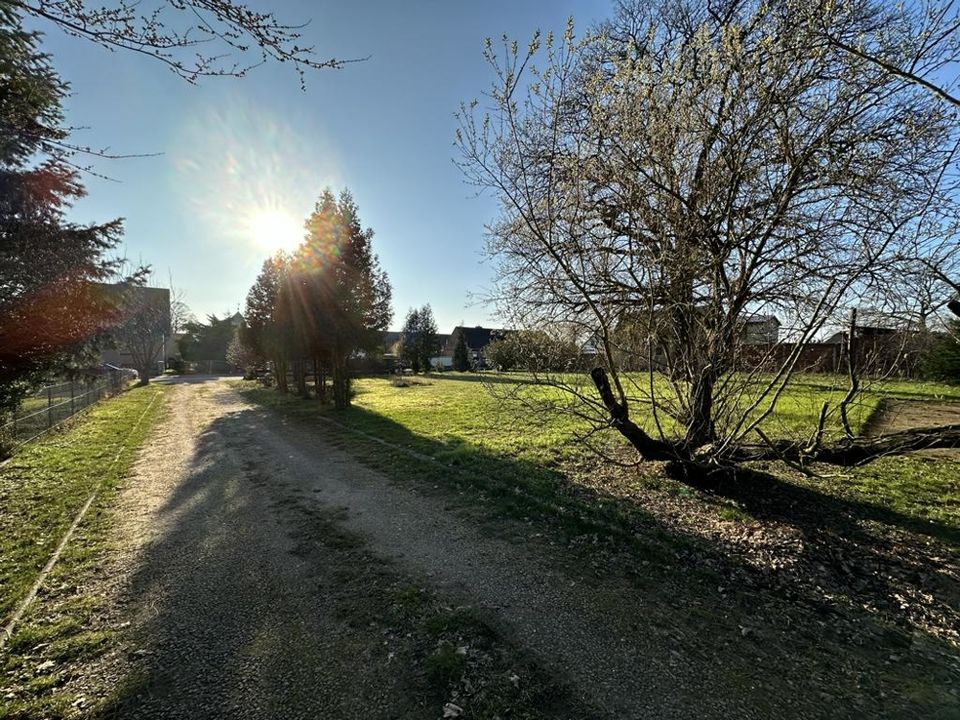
(156, 301)
(760, 330)
(862, 332)
(475, 338)
(881, 349)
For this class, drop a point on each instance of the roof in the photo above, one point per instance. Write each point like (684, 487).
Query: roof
(759, 319)
(862, 331)
(478, 337)
(390, 337)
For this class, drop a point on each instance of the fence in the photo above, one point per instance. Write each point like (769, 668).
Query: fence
(51, 405)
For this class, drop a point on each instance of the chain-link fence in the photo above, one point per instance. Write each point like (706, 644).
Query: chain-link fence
(53, 404)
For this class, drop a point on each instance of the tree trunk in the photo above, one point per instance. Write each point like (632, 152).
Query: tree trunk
(280, 374)
(700, 426)
(319, 380)
(854, 451)
(684, 465)
(649, 448)
(300, 377)
(341, 384)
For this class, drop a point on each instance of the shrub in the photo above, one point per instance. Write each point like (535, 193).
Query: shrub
(943, 360)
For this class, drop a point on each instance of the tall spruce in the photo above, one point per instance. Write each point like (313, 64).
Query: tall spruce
(262, 332)
(339, 295)
(418, 343)
(409, 340)
(461, 358)
(427, 345)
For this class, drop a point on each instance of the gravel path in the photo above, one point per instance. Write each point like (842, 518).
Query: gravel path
(233, 618)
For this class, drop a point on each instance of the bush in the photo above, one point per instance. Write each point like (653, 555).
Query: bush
(446, 666)
(175, 366)
(943, 360)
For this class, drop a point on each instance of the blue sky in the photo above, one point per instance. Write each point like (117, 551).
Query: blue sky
(243, 159)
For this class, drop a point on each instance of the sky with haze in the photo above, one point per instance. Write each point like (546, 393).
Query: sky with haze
(240, 162)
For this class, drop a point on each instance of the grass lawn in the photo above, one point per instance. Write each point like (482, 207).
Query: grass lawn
(41, 490)
(459, 422)
(455, 407)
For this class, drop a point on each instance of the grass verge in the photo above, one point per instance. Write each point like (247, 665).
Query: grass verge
(41, 490)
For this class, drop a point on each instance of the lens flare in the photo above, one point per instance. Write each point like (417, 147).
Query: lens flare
(251, 177)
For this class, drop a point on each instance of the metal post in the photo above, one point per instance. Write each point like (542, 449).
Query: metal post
(49, 408)
(72, 411)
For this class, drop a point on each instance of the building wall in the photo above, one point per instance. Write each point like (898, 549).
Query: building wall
(760, 333)
(156, 297)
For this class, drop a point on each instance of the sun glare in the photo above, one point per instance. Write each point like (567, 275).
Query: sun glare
(273, 229)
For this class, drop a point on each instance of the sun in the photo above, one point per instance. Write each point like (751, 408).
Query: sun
(274, 229)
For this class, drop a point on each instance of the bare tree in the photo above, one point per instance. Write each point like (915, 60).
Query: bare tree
(682, 170)
(194, 38)
(180, 313)
(918, 41)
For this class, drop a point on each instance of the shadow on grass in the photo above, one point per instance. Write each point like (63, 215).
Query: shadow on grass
(767, 497)
(840, 568)
(839, 557)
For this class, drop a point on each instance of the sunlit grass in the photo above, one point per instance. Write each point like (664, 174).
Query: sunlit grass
(458, 408)
(41, 490)
(466, 417)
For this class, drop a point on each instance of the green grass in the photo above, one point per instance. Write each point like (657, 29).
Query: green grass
(926, 490)
(46, 483)
(41, 490)
(457, 408)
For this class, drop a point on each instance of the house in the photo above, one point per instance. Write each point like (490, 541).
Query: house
(760, 330)
(157, 342)
(640, 340)
(475, 338)
(869, 333)
(880, 349)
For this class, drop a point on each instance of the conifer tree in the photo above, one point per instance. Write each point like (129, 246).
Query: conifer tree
(461, 359)
(50, 308)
